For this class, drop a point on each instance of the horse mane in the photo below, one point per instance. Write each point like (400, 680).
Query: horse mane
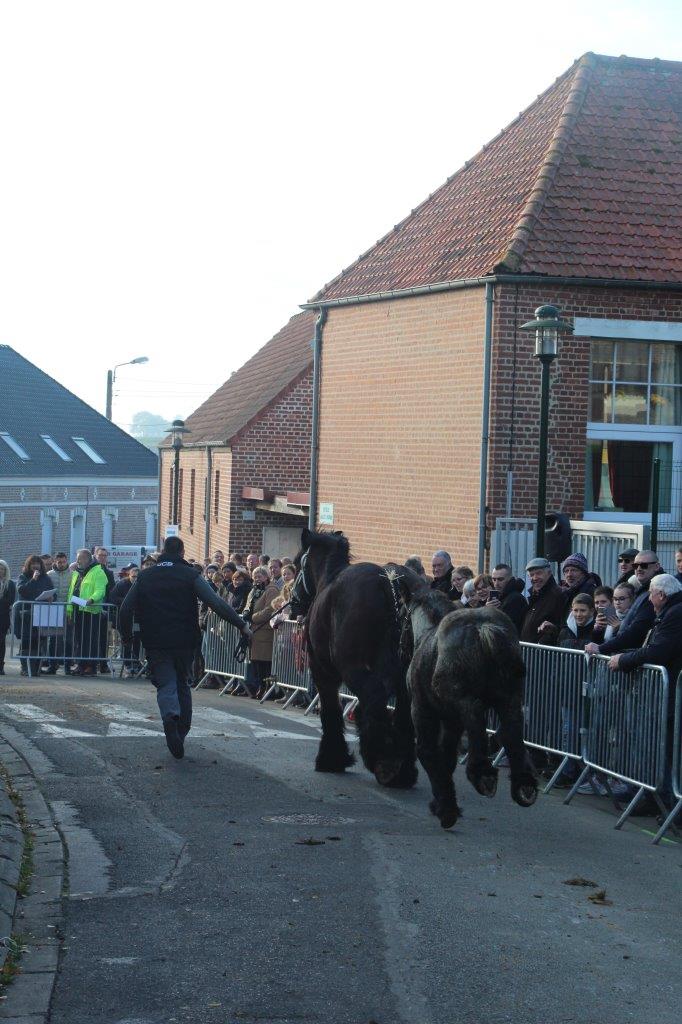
(414, 589)
(336, 547)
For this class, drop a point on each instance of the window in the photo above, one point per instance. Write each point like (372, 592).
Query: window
(89, 450)
(56, 448)
(634, 419)
(192, 487)
(216, 495)
(15, 446)
(636, 382)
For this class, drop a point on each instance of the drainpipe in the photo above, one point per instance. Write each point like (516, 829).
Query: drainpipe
(485, 423)
(158, 514)
(207, 503)
(314, 441)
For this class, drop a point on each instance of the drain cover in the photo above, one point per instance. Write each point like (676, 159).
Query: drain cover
(307, 819)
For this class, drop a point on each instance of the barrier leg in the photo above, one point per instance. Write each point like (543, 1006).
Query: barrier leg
(576, 785)
(313, 704)
(289, 700)
(271, 689)
(498, 757)
(350, 706)
(630, 807)
(668, 822)
(557, 773)
(202, 680)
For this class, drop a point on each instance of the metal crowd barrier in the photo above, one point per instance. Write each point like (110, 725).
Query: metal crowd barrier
(676, 764)
(219, 646)
(290, 670)
(61, 635)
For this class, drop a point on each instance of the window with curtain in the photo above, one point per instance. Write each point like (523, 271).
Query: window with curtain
(619, 476)
(637, 382)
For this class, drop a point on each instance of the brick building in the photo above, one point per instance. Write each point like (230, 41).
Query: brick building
(69, 478)
(245, 464)
(577, 203)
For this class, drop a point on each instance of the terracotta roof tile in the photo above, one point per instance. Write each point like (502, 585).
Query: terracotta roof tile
(586, 182)
(255, 384)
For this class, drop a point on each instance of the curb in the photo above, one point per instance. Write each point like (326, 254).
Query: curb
(36, 916)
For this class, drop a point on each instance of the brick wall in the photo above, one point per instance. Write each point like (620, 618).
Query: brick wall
(515, 393)
(272, 451)
(401, 424)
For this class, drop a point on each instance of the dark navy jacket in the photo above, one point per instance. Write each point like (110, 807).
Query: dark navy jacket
(165, 604)
(663, 646)
(635, 626)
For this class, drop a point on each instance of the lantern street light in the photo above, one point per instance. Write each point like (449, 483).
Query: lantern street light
(177, 429)
(111, 377)
(547, 325)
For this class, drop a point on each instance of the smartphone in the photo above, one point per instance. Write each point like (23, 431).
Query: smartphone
(495, 594)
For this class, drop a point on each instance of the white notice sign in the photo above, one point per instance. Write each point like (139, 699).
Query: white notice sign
(326, 517)
(172, 531)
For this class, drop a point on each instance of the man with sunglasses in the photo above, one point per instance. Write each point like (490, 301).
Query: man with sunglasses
(626, 562)
(640, 617)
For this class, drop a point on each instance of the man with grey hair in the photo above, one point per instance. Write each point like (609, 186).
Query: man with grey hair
(663, 645)
(441, 565)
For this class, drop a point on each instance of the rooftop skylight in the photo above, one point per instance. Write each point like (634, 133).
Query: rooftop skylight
(15, 446)
(89, 450)
(51, 443)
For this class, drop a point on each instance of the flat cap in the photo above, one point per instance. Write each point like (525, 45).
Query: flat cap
(628, 553)
(538, 563)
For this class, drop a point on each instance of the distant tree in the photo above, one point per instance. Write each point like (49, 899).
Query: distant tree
(149, 428)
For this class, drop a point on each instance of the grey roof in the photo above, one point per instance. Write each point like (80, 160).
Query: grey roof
(35, 404)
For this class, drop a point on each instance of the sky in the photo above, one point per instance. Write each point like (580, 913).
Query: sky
(178, 177)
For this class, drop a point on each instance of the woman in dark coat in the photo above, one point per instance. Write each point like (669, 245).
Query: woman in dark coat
(8, 593)
(238, 590)
(33, 581)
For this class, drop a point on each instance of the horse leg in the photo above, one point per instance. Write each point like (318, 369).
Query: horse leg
(524, 786)
(404, 728)
(479, 769)
(333, 754)
(438, 755)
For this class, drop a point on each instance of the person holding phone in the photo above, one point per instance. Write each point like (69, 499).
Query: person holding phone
(606, 621)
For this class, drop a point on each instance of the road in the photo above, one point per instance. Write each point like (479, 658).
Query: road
(239, 886)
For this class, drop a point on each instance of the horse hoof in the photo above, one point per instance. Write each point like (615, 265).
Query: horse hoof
(486, 784)
(334, 763)
(449, 817)
(525, 791)
(406, 777)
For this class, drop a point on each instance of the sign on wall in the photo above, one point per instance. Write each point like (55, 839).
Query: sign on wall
(172, 531)
(326, 516)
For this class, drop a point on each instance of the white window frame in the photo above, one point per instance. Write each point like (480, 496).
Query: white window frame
(634, 330)
(57, 449)
(14, 446)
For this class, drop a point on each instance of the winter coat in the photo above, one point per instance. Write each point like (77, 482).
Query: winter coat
(93, 587)
(29, 589)
(165, 604)
(61, 582)
(576, 637)
(634, 628)
(236, 596)
(663, 645)
(513, 603)
(259, 608)
(6, 601)
(547, 605)
(119, 592)
(444, 583)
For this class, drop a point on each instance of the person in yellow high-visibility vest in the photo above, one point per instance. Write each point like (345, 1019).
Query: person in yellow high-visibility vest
(87, 591)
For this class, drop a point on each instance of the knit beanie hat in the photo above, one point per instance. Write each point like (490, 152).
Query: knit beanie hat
(578, 560)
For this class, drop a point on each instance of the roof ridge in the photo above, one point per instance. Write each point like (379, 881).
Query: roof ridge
(486, 146)
(537, 197)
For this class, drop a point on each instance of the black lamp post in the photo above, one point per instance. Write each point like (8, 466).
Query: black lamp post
(547, 325)
(175, 433)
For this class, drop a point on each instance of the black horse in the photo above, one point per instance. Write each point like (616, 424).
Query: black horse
(463, 663)
(353, 636)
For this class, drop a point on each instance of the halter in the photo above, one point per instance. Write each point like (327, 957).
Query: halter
(301, 584)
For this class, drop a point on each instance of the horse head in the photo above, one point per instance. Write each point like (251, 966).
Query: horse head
(322, 557)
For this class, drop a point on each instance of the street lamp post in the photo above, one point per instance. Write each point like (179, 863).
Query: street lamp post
(111, 377)
(547, 325)
(175, 433)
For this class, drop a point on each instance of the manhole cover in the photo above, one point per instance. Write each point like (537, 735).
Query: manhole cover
(307, 819)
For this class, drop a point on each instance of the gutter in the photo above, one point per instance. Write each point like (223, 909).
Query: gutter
(496, 278)
(207, 504)
(485, 423)
(315, 428)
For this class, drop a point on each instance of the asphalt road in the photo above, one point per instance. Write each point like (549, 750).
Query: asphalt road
(196, 894)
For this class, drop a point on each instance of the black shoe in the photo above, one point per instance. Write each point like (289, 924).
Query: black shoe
(183, 731)
(173, 737)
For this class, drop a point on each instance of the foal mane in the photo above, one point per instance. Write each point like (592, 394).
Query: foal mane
(334, 548)
(435, 603)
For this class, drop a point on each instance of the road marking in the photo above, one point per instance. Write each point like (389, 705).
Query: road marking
(63, 732)
(31, 713)
(116, 729)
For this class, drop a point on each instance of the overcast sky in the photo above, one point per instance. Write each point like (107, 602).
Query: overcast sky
(177, 177)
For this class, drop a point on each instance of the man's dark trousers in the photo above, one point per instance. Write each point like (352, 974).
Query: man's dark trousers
(171, 672)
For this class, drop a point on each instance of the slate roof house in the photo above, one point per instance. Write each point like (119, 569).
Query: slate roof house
(244, 471)
(577, 203)
(69, 478)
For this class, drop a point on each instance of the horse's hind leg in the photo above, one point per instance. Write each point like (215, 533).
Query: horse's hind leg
(333, 754)
(479, 769)
(437, 751)
(524, 787)
(404, 728)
